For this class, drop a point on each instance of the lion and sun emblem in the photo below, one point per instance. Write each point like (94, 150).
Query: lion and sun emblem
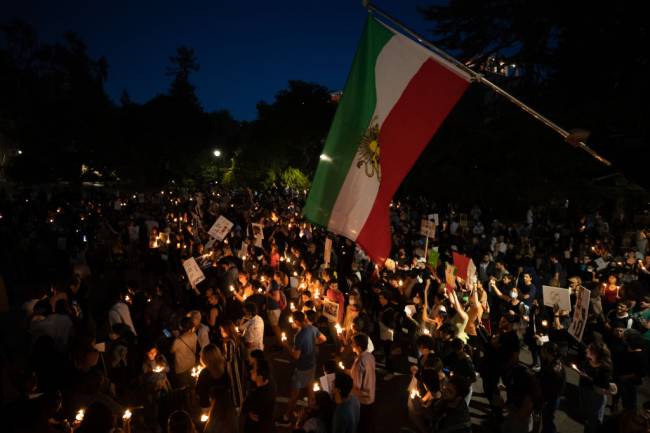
(369, 152)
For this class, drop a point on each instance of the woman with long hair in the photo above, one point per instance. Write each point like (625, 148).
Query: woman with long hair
(213, 391)
(231, 348)
(595, 378)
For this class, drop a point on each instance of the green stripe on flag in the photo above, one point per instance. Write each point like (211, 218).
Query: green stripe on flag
(349, 125)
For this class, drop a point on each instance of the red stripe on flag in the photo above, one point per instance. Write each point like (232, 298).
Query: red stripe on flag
(428, 98)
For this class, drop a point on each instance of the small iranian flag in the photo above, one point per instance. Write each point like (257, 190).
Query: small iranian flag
(397, 95)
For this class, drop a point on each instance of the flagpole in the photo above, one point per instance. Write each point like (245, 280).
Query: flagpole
(481, 79)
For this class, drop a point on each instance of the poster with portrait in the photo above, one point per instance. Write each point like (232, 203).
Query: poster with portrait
(330, 310)
(258, 234)
(580, 314)
(557, 295)
(220, 228)
(194, 273)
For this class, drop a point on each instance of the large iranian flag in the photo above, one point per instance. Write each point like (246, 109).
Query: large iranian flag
(397, 95)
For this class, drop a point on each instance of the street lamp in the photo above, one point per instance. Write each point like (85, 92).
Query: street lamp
(217, 153)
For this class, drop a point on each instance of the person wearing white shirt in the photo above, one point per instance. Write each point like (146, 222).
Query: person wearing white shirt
(202, 330)
(253, 328)
(119, 313)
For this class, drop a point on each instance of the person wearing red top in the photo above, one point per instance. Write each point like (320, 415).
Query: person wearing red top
(609, 291)
(335, 295)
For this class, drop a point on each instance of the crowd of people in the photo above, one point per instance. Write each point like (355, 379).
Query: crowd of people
(110, 331)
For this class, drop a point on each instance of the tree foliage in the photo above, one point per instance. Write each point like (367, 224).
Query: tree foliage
(583, 64)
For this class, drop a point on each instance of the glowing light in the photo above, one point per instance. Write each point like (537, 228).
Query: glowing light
(326, 158)
(338, 328)
(80, 415)
(544, 322)
(290, 319)
(204, 418)
(284, 337)
(316, 387)
(196, 371)
(127, 415)
(425, 331)
(158, 369)
(217, 153)
(341, 366)
(414, 394)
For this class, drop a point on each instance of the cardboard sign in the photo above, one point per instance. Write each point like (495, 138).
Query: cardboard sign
(580, 313)
(428, 228)
(330, 310)
(327, 382)
(220, 228)
(327, 253)
(557, 295)
(194, 273)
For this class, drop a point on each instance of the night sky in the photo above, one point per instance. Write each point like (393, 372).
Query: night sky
(247, 50)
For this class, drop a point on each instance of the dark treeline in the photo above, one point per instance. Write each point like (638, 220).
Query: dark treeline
(581, 64)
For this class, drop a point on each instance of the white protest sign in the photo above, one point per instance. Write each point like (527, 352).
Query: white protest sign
(258, 234)
(220, 228)
(194, 273)
(580, 314)
(557, 295)
(327, 382)
(428, 228)
(327, 253)
(600, 263)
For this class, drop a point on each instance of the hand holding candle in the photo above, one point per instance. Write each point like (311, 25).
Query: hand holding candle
(127, 415)
(338, 328)
(284, 337)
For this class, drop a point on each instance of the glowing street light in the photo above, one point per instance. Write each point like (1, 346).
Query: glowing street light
(217, 153)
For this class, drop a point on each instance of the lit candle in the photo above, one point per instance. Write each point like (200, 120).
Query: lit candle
(290, 319)
(414, 394)
(127, 415)
(158, 369)
(425, 331)
(544, 322)
(237, 329)
(284, 337)
(196, 371)
(292, 306)
(338, 328)
(80, 415)
(232, 289)
(204, 418)
(400, 283)
(341, 366)
(259, 290)
(316, 387)
(295, 274)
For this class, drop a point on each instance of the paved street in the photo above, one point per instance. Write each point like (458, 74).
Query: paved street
(391, 400)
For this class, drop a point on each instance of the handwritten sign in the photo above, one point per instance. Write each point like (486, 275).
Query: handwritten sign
(557, 295)
(330, 310)
(194, 273)
(220, 228)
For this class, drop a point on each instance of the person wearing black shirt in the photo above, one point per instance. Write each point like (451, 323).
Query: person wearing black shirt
(595, 377)
(257, 411)
(552, 378)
